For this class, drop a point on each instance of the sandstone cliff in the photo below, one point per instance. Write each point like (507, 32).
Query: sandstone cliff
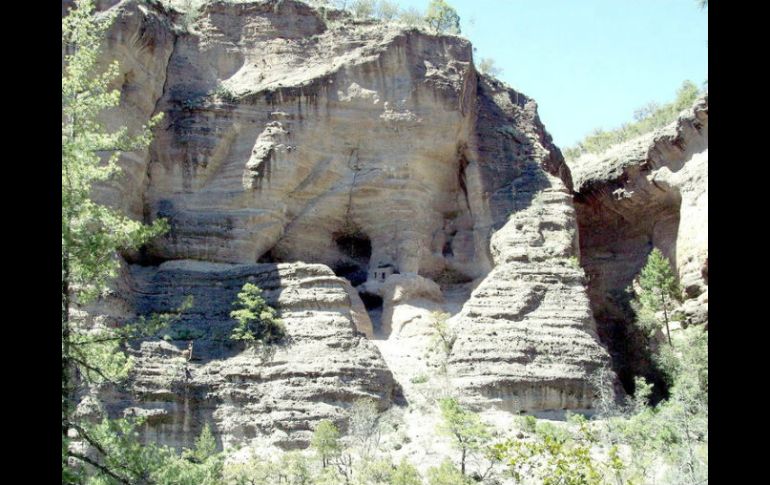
(648, 192)
(365, 174)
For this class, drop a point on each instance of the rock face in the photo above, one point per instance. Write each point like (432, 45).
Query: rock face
(649, 192)
(527, 338)
(379, 155)
(325, 364)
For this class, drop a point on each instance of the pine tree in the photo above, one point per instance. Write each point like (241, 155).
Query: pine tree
(257, 322)
(92, 233)
(469, 433)
(659, 291)
(442, 18)
(325, 441)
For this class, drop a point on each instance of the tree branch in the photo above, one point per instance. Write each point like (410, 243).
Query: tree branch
(101, 467)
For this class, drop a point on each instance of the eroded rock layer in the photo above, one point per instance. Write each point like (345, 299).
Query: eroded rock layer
(649, 192)
(374, 150)
(324, 365)
(527, 339)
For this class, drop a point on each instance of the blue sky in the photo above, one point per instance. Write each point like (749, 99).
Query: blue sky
(588, 63)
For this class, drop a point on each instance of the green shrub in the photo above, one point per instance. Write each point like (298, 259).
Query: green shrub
(419, 379)
(257, 321)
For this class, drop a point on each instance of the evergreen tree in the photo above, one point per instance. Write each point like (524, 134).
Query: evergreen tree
(469, 433)
(326, 442)
(659, 292)
(257, 321)
(92, 236)
(442, 18)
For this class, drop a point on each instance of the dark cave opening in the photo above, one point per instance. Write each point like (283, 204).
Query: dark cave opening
(356, 248)
(628, 346)
(355, 245)
(373, 304)
(371, 301)
(350, 271)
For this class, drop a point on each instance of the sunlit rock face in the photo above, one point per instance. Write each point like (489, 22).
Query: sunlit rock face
(650, 192)
(365, 175)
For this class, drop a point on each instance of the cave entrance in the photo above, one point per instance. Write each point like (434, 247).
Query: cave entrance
(356, 246)
(356, 249)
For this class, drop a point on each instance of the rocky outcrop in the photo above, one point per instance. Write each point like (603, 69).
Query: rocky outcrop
(649, 192)
(323, 366)
(292, 137)
(527, 338)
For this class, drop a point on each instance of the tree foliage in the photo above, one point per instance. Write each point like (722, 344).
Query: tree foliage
(92, 233)
(659, 292)
(257, 322)
(447, 474)
(326, 441)
(648, 118)
(465, 427)
(444, 337)
(442, 18)
(488, 66)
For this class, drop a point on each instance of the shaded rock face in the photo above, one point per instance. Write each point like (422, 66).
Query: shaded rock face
(324, 365)
(374, 152)
(646, 193)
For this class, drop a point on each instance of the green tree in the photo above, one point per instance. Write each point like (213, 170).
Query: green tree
(568, 464)
(257, 321)
(447, 474)
(92, 233)
(405, 474)
(659, 291)
(469, 433)
(487, 66)
(326, 441)
(444, 337)
(442, 18)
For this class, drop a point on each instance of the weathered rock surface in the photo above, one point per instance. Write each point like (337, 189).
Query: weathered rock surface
(527, 338)
(649, 192)
(373, 150)
(325, 365)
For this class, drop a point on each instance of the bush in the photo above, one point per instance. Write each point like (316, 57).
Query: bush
(442, 18)
(419, 379)
(529, 424)
(447, 474)
(224, 93)
(648, 118)
(257, 322)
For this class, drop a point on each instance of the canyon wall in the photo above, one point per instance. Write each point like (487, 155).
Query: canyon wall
(364, 174)
(650, 192)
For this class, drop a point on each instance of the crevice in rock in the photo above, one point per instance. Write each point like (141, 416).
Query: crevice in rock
(374, 305)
